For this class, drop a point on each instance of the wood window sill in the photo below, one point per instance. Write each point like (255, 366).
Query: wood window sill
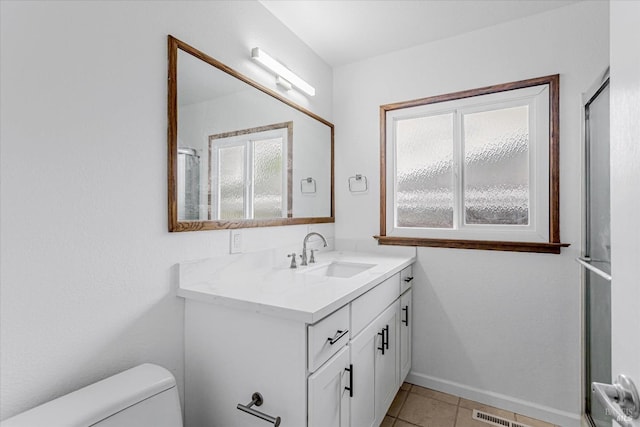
(489, 245)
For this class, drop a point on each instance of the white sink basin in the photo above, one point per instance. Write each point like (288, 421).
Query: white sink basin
(341, 269)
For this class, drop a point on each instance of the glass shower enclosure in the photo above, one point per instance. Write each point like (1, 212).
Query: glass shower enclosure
(596, 251)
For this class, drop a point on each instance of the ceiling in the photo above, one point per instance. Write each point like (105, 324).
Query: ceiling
(345, 31)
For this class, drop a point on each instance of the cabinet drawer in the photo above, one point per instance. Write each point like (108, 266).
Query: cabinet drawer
(365, 308)
(327, 336)
(406, 279)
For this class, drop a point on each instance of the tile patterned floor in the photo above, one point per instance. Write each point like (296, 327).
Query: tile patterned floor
(418, 406)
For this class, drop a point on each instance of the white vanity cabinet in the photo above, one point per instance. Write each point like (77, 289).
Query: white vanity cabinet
(406, 324)
(342, 370)
(406, 327)
(329, 397)
(374, 357)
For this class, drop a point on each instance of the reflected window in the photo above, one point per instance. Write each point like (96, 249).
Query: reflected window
(249, 179)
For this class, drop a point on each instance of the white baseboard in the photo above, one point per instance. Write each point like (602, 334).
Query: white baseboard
(529, 409)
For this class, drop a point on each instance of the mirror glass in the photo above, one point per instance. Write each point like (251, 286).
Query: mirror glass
(241, 155)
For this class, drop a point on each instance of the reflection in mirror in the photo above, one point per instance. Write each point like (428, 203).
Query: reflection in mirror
(241, 155)
(251, 159)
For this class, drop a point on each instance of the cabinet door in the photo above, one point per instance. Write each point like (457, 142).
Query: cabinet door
(386, 363)
(406, 326)
(328, 400)
(363, 352)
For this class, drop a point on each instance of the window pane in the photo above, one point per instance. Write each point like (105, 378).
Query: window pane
(188, 186)
(424, 158)
(231, 179)
(267, 189)
(496, 166)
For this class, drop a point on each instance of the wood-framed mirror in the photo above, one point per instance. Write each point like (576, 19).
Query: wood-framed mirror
(240, 154)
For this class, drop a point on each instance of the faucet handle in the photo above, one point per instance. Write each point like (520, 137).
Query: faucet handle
(293, 260)
(312, 258)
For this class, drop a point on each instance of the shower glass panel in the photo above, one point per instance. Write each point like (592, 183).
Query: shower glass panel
(597, 252)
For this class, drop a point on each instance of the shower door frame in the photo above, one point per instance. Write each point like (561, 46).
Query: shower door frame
(590, 96)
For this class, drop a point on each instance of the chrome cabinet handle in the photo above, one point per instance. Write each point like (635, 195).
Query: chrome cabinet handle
(623, 393)
(339, 334)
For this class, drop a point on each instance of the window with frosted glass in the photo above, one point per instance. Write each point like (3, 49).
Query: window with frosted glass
(424, 160)
(231, 178)
(267, 178)
(475, 169)
(251, 180)
(496, 166)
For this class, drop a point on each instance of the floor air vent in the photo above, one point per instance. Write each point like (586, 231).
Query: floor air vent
(495, 421)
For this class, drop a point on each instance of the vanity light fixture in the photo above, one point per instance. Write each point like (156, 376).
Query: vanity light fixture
(283, 83)
(283, 74)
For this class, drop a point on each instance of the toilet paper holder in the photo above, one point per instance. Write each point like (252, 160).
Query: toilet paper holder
(258, 400)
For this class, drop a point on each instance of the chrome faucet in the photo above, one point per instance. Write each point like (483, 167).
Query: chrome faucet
(304, 247)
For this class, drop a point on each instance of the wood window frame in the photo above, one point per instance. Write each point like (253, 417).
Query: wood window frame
(288, 161)
(554, 244)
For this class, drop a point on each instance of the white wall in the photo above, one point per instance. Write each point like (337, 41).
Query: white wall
(625, 194)
(87, 265)
(502, 328)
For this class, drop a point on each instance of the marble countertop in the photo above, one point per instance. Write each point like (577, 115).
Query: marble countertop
(255, 282)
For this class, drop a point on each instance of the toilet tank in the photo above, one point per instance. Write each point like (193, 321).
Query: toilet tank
(142, 396)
